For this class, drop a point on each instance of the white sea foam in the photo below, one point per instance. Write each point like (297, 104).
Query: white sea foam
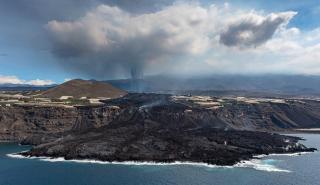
(61, 159)
(258, 164)
(285, 154)
(16, 156)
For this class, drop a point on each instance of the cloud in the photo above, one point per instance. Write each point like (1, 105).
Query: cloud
(290, 51)
(10, 80)
(254, 30)
(38, 82)
(112, 38)
(16, 80)
(67, 79)
(184, 37)
(105, 39)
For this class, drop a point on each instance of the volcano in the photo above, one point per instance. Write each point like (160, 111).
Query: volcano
(84, 88)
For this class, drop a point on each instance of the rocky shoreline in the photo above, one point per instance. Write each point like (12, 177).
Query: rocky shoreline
(206, 146)
(242, 163)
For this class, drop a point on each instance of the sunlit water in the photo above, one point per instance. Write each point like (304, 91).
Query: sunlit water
(272, 170)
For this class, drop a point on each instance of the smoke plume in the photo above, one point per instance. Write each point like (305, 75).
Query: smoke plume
(109, 41)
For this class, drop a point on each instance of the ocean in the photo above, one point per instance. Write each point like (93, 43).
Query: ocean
(301, 169)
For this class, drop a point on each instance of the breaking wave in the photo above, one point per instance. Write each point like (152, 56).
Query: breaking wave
(289, 154)
(61, 159)
(262, 165)
(259, 163)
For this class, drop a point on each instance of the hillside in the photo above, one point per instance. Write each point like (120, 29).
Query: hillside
(27, 123)
(84, 88)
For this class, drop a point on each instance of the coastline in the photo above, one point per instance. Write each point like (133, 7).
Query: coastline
(7, 141)
(300, 131)
(255, 163)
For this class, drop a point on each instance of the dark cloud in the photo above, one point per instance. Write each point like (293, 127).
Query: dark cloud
(41, 10)
(22, 21)
(253, 31)
(128, 37)
(109, 39)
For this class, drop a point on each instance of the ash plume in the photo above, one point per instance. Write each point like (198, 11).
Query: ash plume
(110, 42)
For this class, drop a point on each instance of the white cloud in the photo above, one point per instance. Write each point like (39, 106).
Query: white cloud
(108, 40)
(39, 82)
(254, 30)
(67, 79)
(16, 80)
(177, 29)
(287, 52)
(10, 80)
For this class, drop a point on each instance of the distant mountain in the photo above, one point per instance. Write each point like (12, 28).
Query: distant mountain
(280, 84)
(84, 88)
(24, 87)
(221, 84)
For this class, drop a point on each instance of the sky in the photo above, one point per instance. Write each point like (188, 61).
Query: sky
(50, 41)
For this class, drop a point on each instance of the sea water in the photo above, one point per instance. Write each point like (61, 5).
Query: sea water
(292, 169)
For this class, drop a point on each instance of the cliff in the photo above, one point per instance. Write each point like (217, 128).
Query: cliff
(162, 128)
(41, 124)
(154, 127)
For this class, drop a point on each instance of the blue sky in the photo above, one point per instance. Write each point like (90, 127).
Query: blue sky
(31, 46)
